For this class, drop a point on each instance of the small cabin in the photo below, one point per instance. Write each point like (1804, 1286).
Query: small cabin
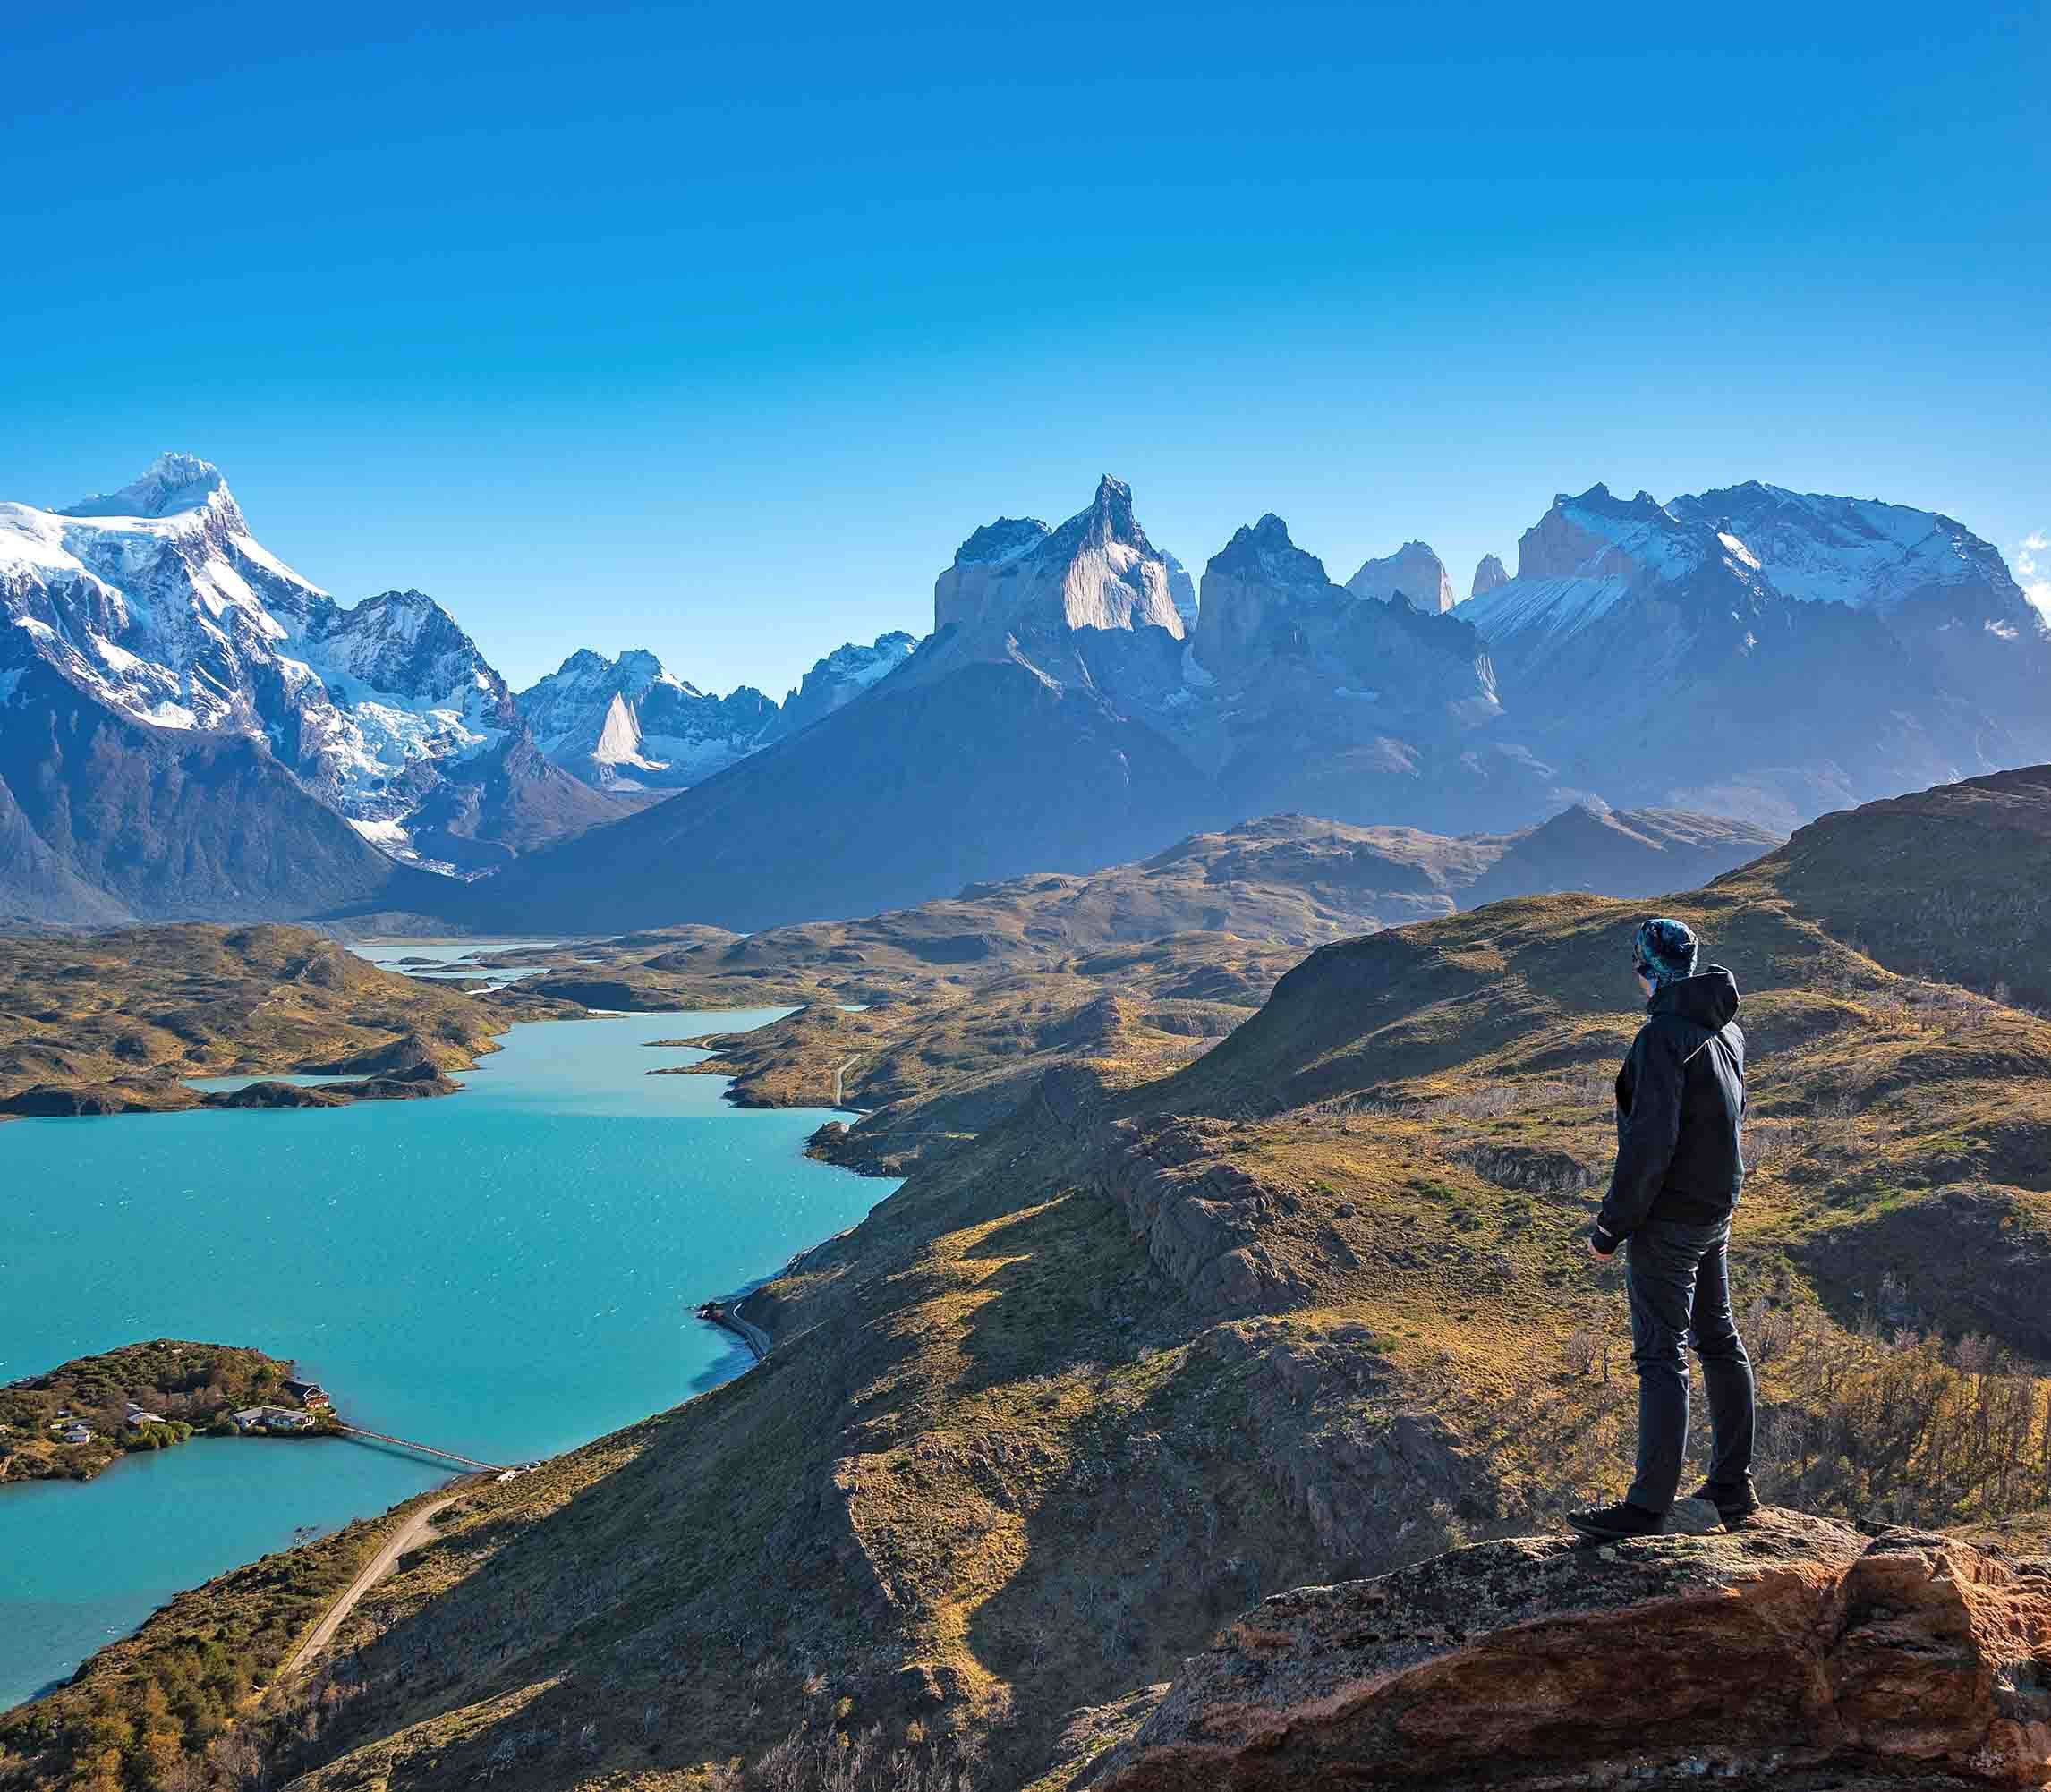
(272, 1419)
(309, 1394)
(70, 1431)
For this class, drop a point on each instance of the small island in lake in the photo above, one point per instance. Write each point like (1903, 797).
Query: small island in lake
(70, 1422)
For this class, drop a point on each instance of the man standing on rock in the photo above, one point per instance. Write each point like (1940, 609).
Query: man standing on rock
(1681, 1100)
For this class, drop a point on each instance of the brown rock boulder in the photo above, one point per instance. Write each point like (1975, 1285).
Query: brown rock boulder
(1795, 1651)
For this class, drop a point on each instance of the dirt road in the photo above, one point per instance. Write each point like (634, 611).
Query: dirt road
(839, 1072)
(416, 1528)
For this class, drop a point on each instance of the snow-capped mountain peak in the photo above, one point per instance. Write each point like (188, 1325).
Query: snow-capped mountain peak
(157, 602)
(1817, 548)
(1591, 551)
(174, 483)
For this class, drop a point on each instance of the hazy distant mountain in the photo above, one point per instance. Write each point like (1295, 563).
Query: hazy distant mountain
(1370, 710)
(1618, 852)
(627, 725)
(1412, 572)
(839, 678)
(1765, 653)
(999, 746)
(1750, 652)
(1064, 714)
(1488, 573)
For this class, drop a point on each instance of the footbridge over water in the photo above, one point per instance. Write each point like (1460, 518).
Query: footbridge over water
(424, 1449)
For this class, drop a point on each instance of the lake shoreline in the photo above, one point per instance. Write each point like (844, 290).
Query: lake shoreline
(563, 1151)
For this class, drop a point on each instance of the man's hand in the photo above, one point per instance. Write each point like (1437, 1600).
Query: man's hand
(1600, 1256)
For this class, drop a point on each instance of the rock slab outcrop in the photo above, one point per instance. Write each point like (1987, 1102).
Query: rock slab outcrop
(1795, 1652)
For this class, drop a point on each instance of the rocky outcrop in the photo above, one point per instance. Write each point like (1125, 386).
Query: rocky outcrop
(1796, 1652)
(1097, 570)
(1488, 573)
(1258, 588)
(1413, 572)
(1200, 1217)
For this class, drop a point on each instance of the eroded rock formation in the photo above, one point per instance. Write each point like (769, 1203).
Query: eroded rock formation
(1795, 1651)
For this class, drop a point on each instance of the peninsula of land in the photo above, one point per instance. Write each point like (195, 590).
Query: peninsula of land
(73, 1421)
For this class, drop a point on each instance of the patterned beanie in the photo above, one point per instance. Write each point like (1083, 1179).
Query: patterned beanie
(1663, 950)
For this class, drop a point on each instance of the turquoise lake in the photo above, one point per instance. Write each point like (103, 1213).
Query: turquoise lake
(507, 1272)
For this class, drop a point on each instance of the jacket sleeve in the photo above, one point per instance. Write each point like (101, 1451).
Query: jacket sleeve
(1647, 1137)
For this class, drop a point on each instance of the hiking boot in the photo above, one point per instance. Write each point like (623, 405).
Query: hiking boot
(1734, 1505)
(1606, 1523)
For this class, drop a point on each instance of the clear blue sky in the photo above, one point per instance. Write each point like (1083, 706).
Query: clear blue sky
(715, 330)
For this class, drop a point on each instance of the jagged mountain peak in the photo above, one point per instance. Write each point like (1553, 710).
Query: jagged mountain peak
(1108, 521)
(1003, 540)
(175, 482)
(1599, 500)
(1414, 573)
(1267, 546)
(1181, 590)
(1489, 572)
(1014, 578)
(1112, 508)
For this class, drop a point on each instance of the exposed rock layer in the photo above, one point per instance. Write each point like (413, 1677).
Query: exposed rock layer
(1795, 1644)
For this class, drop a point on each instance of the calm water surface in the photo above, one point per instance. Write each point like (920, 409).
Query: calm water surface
(506, 1272)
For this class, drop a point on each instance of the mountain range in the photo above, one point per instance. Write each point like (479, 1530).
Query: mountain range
(189, 728)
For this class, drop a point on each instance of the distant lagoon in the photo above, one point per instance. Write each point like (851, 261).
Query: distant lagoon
(507, 1272)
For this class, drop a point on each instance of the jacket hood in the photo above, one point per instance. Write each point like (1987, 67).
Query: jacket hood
(1709, 998)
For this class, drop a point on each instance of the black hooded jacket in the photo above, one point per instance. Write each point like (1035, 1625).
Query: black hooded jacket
(1681, 1101)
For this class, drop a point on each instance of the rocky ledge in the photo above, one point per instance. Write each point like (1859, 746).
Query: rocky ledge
(1794, 1652)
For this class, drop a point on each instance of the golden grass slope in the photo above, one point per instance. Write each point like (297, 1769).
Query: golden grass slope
(114, 1021)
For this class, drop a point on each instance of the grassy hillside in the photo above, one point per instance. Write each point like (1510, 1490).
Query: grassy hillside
(1162, 1340)
(112, 1023)
(188, 1700)
(973, 996)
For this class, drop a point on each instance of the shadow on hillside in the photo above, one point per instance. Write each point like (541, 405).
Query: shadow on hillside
(1962, 1259)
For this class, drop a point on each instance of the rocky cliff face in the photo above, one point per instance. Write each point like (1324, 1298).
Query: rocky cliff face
(1260, 584)
(1795, 1652)
(1312, 697)
(1488, 573)
(1413, 572)
(1097, 570)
